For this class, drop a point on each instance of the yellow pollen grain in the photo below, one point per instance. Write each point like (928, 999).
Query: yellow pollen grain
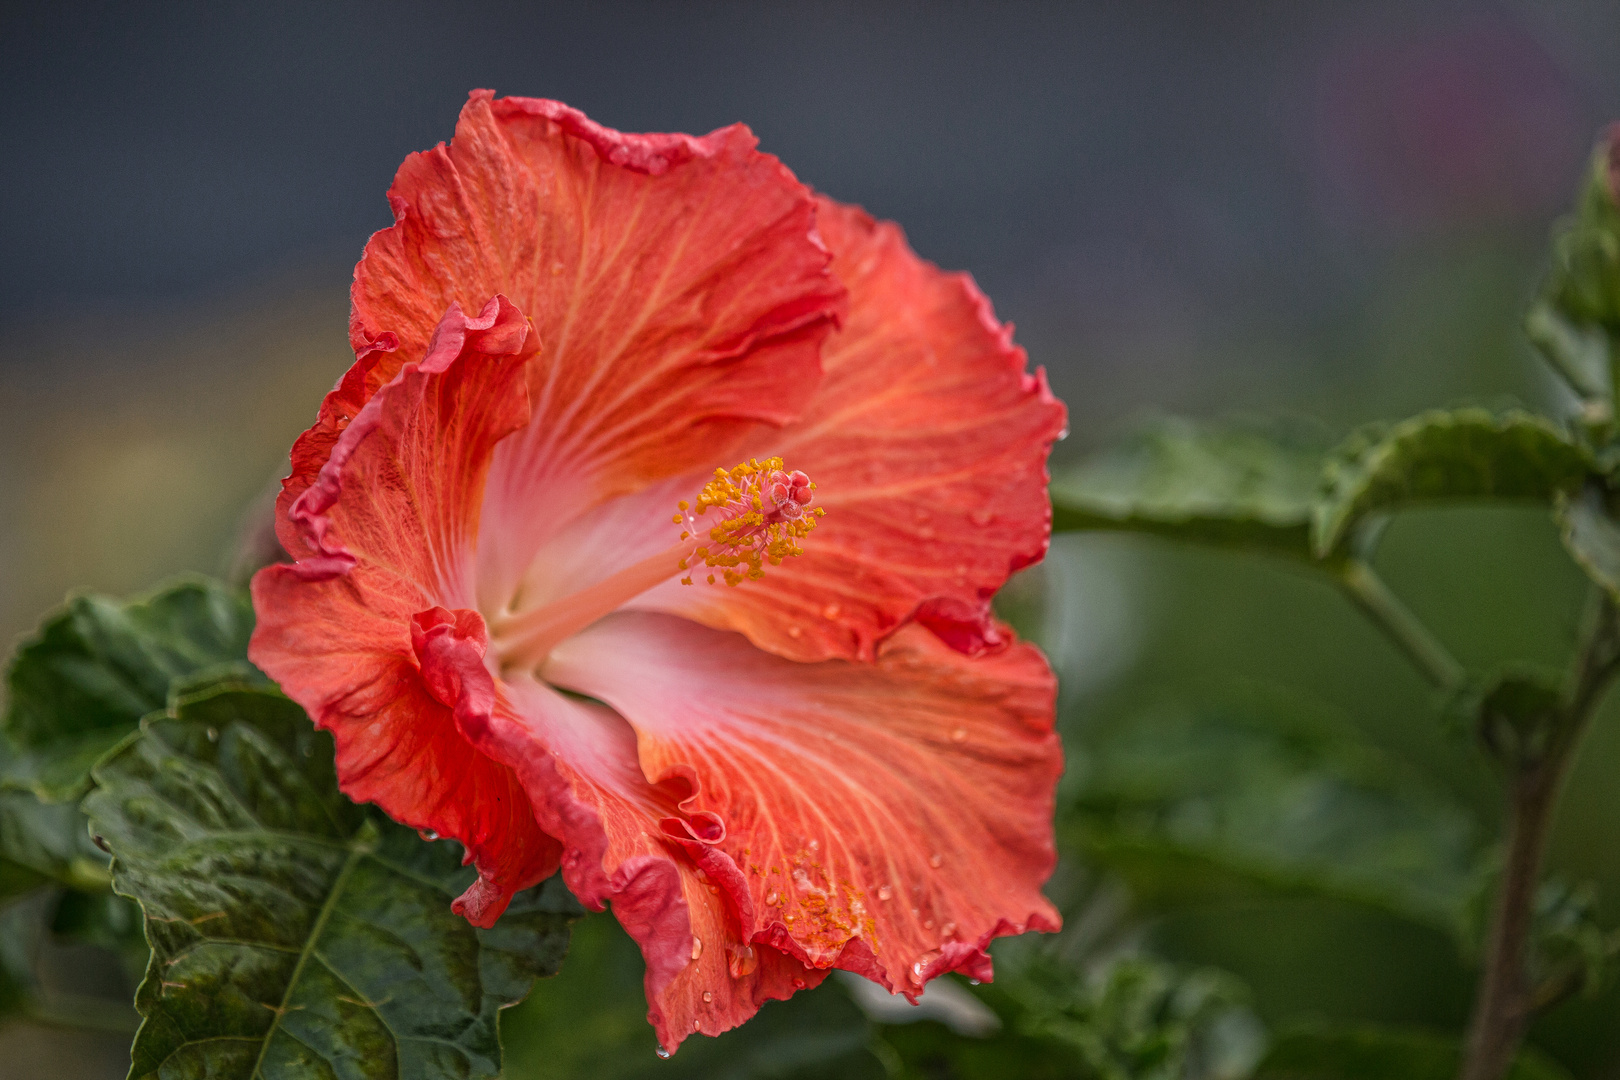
(749, 534)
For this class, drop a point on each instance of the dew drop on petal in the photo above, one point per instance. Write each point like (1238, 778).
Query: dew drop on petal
(707, 996)
(742, 961)
(773, 898)
(973, 982)
(427, 834)
(928, 924)
(794, 631)
(885, 893)
(935, 861)
(948, 930)
(697, 946)
(959, 735)
(663, 1053)
(213, 734)
(923, 961)
(830, 611)
(798, 983)
(813, 845)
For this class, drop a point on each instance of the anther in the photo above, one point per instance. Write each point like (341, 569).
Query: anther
(764, 513)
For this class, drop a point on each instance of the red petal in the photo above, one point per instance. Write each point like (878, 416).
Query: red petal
(357, 631)
(890, 819)
(676, 285)
(578, 762)
(927, 441)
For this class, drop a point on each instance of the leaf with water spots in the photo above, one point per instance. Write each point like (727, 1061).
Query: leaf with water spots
(293, 933)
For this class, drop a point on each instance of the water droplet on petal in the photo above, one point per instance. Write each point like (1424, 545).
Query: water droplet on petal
(798, 983)
(427, 834)
(1064, 434)
(813, 844)
(697, 946)
(923, 961)
(885, 893)
(773, 898)
(959, 735)
(788, 916)
(663, 1053)
(742, 961)
(697, 1026)
(794, 631)
(948, 930)
(830, 611)
(935, 861)
(973, 982)
(707, 996)
(928, 924)
(213, 734)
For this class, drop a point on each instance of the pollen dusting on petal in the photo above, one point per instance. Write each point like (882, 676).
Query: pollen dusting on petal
(763, 510)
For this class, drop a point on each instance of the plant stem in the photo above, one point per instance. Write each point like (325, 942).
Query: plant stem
(1369, 593)
(1505, 1001)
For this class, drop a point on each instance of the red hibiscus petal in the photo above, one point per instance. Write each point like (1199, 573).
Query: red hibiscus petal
(927, 441)
(891, 818)
(676, 284)
(578, 762)
(358, 631)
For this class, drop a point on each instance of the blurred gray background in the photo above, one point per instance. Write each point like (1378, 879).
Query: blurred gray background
(1320, 207)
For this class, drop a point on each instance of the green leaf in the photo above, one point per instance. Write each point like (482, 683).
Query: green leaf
(295, 934)
(1183, 802)
(84, 681)
(1592, 535)
(1444, 456)
(1579, 354)
(1233, 486)
(49, 839)
(1584, 283)
(1137, 1017)
(1371, 1053)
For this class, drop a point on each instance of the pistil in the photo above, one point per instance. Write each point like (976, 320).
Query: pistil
(763, 512)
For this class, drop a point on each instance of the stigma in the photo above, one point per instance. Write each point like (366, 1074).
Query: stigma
(761, 512)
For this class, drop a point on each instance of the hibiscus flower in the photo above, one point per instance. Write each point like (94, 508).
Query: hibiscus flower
(563, 589)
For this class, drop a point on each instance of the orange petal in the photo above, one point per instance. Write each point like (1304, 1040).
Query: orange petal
(890, 819)
(927, 441)
(676, 286)
(578, 761)
(386, 530)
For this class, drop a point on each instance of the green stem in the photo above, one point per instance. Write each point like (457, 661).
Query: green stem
(1506, 1000)
(1368, 592)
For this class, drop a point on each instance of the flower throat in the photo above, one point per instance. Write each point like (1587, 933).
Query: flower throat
(760, 513)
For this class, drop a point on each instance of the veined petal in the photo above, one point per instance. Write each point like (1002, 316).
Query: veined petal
(888, 818)
(357, 631)
(927, 440)
(677, 286)
(625, 841)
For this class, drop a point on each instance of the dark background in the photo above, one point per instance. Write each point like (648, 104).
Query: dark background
(1315, 207)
